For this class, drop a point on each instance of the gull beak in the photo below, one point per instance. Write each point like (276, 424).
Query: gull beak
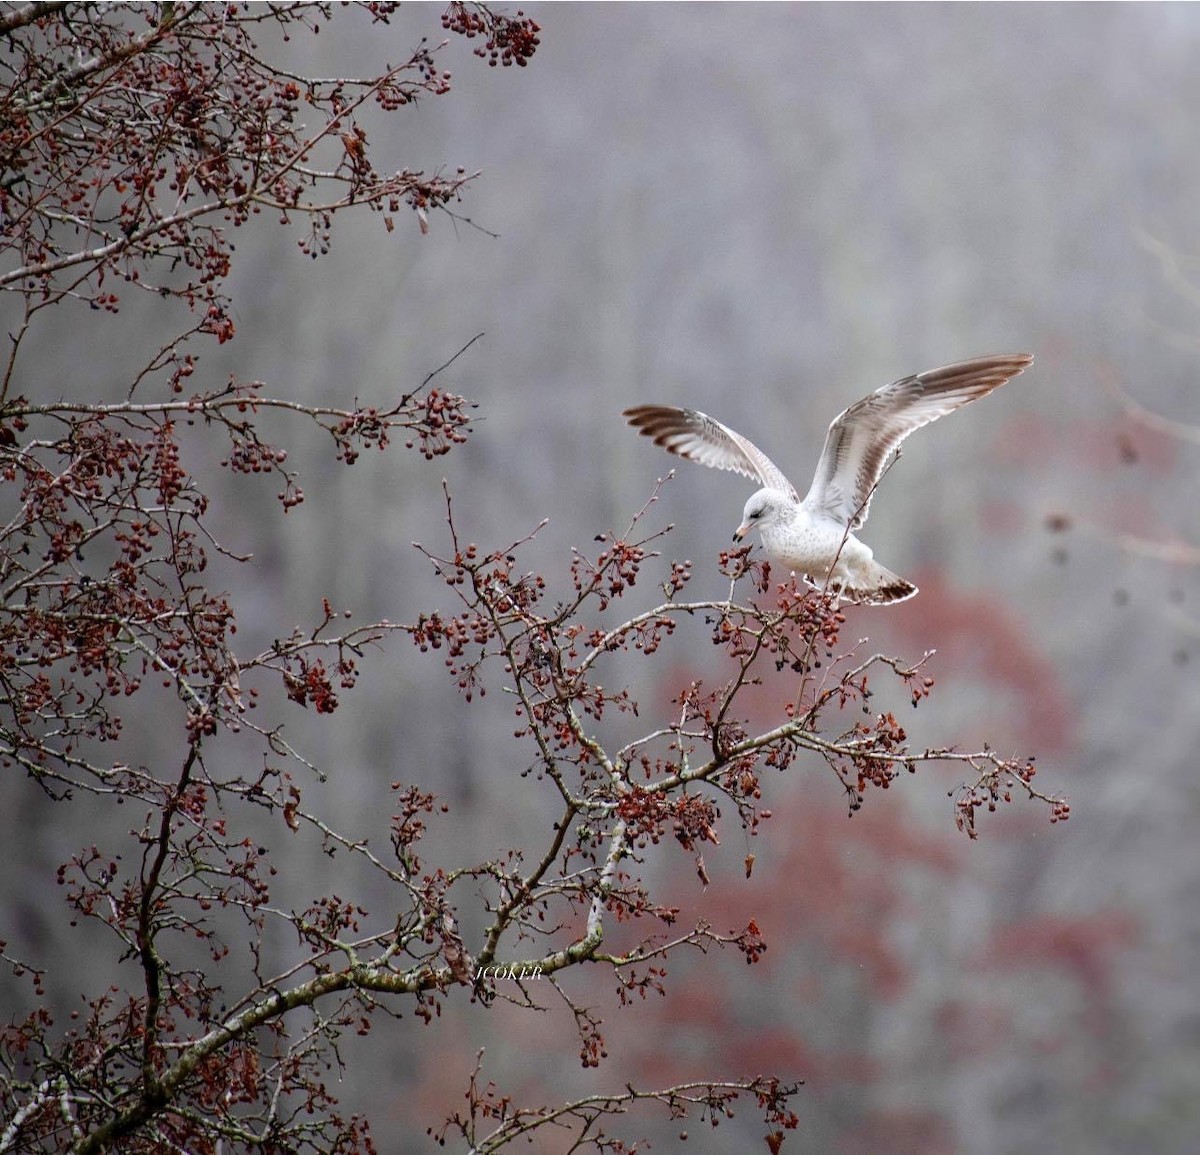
(741, 531)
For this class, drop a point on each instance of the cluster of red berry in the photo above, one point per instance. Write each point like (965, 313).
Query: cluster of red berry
(510, 39)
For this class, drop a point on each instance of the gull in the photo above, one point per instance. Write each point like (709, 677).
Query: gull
(814, 537)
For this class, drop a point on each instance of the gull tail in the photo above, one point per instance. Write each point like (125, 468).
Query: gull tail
(876, 586)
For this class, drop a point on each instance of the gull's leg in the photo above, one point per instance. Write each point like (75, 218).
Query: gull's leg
(835, 585)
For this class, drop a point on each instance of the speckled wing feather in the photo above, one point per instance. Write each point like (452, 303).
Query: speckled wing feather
(698, 437)
(862, 439)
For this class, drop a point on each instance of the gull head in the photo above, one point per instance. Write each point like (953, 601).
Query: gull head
(765, 508)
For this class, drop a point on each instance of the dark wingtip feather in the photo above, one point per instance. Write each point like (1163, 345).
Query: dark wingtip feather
(643, 416)
(657, 421)
(987, 372)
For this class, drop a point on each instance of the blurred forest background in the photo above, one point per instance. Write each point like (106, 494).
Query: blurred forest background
(764, 212)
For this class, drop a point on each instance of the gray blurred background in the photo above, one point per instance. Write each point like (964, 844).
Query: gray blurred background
(764, 212)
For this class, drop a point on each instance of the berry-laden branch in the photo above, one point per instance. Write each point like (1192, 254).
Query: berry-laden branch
(491, 1122)
(135, 140)
(106, 609)
(103, 560)
(618, 803)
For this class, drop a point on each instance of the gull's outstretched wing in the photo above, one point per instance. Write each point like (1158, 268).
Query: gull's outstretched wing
(861, 439)
(698, 437)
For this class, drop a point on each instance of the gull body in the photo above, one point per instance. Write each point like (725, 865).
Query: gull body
(809, 543)
(814, 536)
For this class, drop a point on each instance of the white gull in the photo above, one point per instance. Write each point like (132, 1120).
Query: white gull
(814, 537)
